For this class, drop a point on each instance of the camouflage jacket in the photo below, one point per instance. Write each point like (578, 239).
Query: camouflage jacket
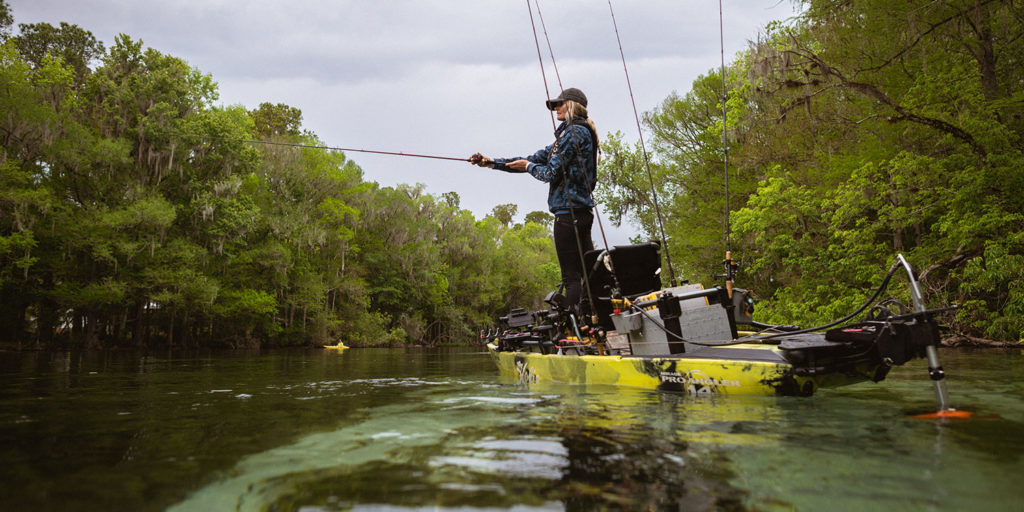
(572, 154)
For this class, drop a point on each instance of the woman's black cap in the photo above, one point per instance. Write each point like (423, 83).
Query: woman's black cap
(571, 94)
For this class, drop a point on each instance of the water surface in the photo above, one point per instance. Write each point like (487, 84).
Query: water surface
(394, 429)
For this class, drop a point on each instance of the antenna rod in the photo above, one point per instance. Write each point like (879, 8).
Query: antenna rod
(647, 160)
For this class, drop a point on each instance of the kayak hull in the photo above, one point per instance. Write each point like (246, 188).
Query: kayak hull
(746, 369)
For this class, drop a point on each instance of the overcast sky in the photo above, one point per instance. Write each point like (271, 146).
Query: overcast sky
(438, 77)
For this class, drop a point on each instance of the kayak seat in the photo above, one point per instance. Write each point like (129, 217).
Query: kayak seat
(636, 272)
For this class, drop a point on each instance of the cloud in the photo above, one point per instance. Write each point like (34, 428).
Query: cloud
(445, 77)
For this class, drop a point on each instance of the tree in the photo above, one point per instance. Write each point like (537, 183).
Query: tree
(859, 130)
(505, 213)
(77, 47)
(6, 20)
(34, 104)
(540, 217)
(276, 120)
(920, 125)
(134, 211)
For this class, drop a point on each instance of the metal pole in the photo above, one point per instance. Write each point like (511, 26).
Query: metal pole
(935, 371)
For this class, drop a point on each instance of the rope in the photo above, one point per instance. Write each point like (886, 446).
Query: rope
(643, 147)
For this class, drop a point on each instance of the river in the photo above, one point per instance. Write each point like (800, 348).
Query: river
(439, 429)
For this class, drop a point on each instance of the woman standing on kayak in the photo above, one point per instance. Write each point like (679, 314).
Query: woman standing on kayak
(569, 167)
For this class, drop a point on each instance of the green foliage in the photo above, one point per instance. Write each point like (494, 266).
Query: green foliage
(131, 214)
(542, 218)
(6, 20)
(505, 213)
(73, 45)
(279, 120)
(856, 131)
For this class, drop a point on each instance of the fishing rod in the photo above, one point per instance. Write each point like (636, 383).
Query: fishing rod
(548, 39)
(543, 75)
(565, 178)
(328, 148)
(551, 52)
(643, 148)
(731, 266)
(725, 126)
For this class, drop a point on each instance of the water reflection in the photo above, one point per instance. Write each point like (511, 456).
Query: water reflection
(502, 446)
(440, 430)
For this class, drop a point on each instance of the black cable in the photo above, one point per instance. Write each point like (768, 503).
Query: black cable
(749, 339)
(871, 300)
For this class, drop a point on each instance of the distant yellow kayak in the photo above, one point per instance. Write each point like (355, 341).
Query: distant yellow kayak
(339, 346)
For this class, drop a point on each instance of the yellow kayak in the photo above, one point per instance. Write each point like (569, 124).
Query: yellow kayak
(749, 369)
(688, 338)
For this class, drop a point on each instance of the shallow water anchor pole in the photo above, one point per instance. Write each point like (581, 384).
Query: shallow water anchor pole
(938, 377)
(935, 371)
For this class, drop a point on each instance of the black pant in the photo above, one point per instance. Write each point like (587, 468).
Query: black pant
(568, 251)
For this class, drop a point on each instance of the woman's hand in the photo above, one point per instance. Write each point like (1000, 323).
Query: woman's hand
(481, 160)
(518, 165)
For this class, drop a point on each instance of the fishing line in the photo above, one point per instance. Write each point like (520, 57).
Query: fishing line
(643, 147)
(310, 146)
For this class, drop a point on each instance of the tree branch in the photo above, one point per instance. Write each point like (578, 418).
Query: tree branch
(920, 36)
(873, 91)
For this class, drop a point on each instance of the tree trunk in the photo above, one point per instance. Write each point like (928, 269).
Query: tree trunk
(170, 330)
(186, 329)
(984, 52)
(91, 341)
(137, 331)
(122, 326)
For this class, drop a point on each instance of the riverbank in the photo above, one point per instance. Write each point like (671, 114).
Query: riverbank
(964, 341)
